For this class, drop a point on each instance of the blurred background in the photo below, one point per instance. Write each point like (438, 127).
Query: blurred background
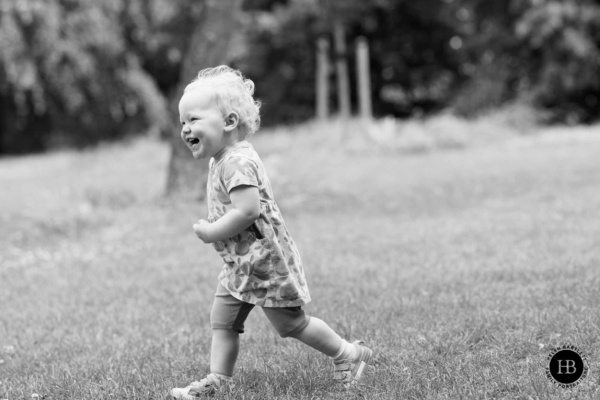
(74, 73)
(477, 258)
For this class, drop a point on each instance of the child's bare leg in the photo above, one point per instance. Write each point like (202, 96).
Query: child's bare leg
(224, 351)
(320, 336)
(316, 333)
(349, 359)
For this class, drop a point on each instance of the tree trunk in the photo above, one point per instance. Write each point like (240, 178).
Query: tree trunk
(322, 79)
(341, 64)
(209, 47)
(364, 78)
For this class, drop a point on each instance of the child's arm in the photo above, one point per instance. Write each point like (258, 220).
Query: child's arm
(246, 209)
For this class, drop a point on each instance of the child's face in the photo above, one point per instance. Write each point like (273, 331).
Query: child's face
(204, 128)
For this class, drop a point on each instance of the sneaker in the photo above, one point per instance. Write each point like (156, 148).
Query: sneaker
(207, 387)
(349, 372)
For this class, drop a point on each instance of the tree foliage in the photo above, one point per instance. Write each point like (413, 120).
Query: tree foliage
(469, 55)
(64, 68)
(564, 40)
(544, 51)
(411, 65)
(75, 72)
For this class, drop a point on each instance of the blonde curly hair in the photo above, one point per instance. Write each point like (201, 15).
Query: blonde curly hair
(233, 92)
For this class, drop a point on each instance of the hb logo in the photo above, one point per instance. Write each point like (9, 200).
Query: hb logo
(566, 366)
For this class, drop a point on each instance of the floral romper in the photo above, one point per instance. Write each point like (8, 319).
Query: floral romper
(262, 265)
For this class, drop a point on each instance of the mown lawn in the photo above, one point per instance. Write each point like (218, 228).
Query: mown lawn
(461, 268)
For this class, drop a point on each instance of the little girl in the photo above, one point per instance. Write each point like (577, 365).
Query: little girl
(262, 266)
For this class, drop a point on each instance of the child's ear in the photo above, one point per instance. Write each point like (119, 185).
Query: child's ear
(231, 121)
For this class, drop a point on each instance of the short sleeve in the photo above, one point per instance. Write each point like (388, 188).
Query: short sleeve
(239, 171)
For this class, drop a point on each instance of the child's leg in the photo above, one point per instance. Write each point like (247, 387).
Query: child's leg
(349, 359)
(318, 335)
(227, 321)
(224, 351)
(293, 322)
(223, 354)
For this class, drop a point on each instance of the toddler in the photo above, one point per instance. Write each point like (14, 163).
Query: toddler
(262, 266)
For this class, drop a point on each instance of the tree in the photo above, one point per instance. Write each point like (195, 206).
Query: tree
(210, 45)
(546, 52)
(412, 65)
(74, 73)
(490, 57)
(563, 39)
(67, 77)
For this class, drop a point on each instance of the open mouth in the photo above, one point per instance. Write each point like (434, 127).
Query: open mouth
(193, 142)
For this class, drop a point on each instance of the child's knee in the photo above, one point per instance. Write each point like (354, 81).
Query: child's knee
(288, 322)
(294, 333)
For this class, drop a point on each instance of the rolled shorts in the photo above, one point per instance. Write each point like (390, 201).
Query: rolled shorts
(231, 313)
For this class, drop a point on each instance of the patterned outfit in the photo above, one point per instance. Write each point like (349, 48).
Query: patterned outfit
(262, 265)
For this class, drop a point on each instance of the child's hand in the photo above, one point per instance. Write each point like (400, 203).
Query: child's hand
(201, 230)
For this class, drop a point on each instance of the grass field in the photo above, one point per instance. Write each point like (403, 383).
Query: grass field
(460, 267)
